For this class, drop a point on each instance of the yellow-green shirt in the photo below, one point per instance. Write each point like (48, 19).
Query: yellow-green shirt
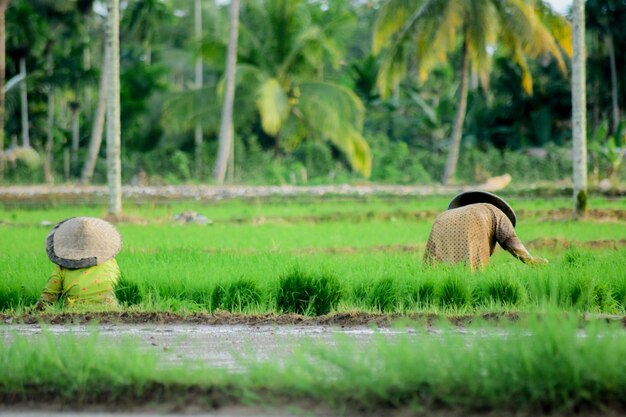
(84, 287)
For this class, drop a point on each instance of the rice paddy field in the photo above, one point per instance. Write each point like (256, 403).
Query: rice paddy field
(557, 346)
(320, 256)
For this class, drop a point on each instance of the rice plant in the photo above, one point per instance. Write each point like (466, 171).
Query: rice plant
(308, 293)
(128, 293)
(383, 295)
(236, 296)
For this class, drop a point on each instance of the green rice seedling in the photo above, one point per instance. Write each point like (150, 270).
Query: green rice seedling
(602, 298)
(383, 295)
(200, 295)
(128, 292)
(421, 294)
(454, 292)
(577, 293)
(502, 290)
(217, 296)
(241, 295)
(574, 257)
(307, 293)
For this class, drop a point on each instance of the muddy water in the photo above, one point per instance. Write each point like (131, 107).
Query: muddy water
(223, 346)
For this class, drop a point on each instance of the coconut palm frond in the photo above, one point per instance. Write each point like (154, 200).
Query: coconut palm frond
(559, 26)
(391, 18)
(525, 31)
(336, 114)
(393, 64)
(481, 28)
(436, 38)
(183, 110)
(273, 105)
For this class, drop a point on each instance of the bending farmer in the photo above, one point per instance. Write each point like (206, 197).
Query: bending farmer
(83, 249)
(469, 229)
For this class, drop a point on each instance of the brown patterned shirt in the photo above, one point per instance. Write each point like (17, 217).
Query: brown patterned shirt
(469, 234)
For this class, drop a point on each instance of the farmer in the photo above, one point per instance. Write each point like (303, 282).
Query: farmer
(468, 231)
(83, 249)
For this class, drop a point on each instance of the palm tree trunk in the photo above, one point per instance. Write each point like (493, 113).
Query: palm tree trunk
(579, 108)
(614, 102)
(226, 137)
(459, 119)
(3, 9)
(231, 156)
(24, 103)
(114, 169)
(198, 129)
(75, 135)
(47, 163)
(98, 122)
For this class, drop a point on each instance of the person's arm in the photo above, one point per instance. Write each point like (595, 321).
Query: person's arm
(508, 240)
(52, 290)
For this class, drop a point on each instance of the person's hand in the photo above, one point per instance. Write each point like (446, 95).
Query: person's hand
(536, 260)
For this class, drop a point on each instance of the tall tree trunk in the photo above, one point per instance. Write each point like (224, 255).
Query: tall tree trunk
(47, 163)
(459, 119)
(114, 169)
(614, 86)
(24, 103)
(231, 156)
(198, 129)
(98, 121)
(87, 65)
(3, 9)
(226, 135)
(579, 108)
(75, 109)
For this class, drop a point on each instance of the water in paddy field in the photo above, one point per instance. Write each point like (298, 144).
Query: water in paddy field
(228, 346)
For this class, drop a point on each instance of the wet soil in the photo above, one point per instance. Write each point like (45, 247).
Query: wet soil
(341, 320)
(351, 319)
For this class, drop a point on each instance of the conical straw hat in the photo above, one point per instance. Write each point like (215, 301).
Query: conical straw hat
(473, 197)
(82, 242)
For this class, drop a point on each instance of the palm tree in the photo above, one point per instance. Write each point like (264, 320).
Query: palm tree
(198, 127)
(3, 8)
(431, 29)
(226, 129)
(98, 122)
(579, 108)
(24, 103)
(605, 19)
(283, 52)
(114, 169)
(143, 19)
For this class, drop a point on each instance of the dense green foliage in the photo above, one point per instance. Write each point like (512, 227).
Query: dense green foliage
(307, 106)
(326, 255)
(531, 367)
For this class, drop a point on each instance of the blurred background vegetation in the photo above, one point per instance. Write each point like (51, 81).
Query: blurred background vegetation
(308, 102)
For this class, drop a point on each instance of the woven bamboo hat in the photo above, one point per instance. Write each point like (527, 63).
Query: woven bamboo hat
(82, 242)
(474, 197)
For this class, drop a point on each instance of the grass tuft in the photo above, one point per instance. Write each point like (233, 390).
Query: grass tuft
(307, 293)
